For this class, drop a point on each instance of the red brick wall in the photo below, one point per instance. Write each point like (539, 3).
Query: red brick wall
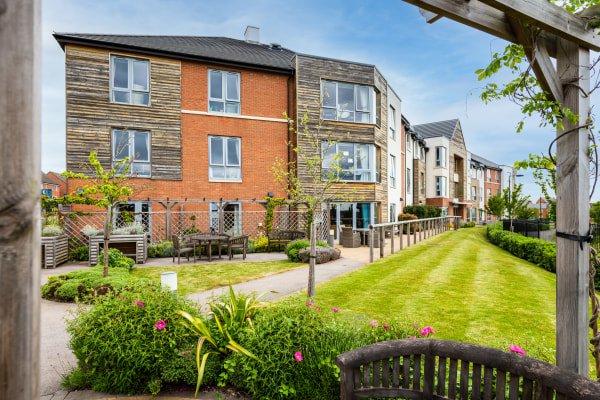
(491, 185)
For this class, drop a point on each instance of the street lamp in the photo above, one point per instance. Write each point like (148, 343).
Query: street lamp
(511, 183)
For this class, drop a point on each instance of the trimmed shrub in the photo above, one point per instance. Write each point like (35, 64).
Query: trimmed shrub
(423, 211)
(134, 341)
(296, 346)
(537, 251)
(408, 217)
(116, 259)
(162, 249)
(258, 245)
(293, 248)
(81, 253)
(52, 230)
(468, 225)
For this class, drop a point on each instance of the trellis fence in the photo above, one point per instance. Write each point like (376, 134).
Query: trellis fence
(162, 225)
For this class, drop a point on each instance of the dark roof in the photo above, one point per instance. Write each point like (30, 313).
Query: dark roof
(220, 50)
(484, 161)
(437, 129)
(48, 180)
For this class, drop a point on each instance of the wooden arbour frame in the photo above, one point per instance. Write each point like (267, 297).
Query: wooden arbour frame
(546, 30)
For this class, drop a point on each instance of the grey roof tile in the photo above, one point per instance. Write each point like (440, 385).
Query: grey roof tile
(437, 129)
(484, 161)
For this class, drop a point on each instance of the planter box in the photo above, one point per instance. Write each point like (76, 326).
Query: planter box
(133, 246)
(55, 250)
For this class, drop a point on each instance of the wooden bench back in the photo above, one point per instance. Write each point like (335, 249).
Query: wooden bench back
(425, 369)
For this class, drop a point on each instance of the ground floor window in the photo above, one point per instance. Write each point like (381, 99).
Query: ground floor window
(357, 215)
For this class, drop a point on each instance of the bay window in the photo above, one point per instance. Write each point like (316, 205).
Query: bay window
(223, 91)
(353, 162)
(440, 156)
(347, 102)
(134, 145)
(224, 162)
(440, 186)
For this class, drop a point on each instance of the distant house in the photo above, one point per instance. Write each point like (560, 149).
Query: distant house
(50, 187)
(541, 207)
(61, 180)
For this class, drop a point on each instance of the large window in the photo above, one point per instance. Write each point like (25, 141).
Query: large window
(440, 156)
(129, 81)
(225, 162)
(392, 123)
(474, 192)
(347, 102)
(353, 161)
(489, 174)
(392, 171)
(440, 186)
(134, 145)
(223, 91)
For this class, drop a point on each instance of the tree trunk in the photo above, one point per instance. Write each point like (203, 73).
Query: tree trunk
(107, 231)
(313, 258)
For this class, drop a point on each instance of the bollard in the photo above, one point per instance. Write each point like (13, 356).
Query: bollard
(168, 281)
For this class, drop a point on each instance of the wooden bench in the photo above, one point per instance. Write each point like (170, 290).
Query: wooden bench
(282, 238)
(425, 369)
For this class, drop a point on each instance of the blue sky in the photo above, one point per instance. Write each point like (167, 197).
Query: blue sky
(431, 67)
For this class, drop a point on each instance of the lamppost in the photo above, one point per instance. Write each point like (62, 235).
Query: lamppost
(511, 183)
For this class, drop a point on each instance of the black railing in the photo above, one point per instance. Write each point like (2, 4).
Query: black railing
(538, 228)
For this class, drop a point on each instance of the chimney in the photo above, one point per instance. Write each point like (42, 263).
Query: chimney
(252, 34)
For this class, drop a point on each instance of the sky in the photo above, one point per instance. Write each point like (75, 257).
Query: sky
(431, 67)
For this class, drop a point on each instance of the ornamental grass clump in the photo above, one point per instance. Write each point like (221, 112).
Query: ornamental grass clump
(133, 341)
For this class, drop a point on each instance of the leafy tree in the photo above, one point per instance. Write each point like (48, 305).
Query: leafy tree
(496, 206)
(315, 188)
(102, 188)
(544, 173)
(595, 212)
(516, 203)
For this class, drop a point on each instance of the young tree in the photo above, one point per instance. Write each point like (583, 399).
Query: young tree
(315, 154)
(495, 206)
(516, 203)
(544, 173)
(102, 188)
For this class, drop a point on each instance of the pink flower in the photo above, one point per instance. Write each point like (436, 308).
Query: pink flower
(160, 325)
(317, 308)
(335, 309)
(121, 297)
(426, 331)
(309, 303)
(411, 337)
(516, 349)
(298, 356)
(374, 323)
(138, 303)
(385, 326)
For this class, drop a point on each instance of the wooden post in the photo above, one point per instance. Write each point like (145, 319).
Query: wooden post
(20, 199)
(392, 239)
(381, 242)
(572, 213)
(401, 235)
(371, 234)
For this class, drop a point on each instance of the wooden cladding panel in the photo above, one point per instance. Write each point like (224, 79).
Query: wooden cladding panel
(91, 116)
(309, 73)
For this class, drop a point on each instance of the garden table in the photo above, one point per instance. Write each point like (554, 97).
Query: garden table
(207, 239)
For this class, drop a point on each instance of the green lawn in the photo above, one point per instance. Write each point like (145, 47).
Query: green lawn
(464, 287)
(197, 278)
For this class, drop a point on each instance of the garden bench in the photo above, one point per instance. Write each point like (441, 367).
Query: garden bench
(425, 369)
(283, 237)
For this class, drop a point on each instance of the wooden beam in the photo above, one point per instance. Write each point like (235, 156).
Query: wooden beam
(538, 57)
(430, 17)
(551, 18)
(572, 213)
(20, 199)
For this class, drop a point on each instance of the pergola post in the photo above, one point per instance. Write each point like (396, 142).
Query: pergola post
(19, 199)
(572, 212)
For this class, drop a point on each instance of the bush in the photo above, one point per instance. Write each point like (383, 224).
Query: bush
(52, 230)
(423, 211)
(469, 225)
(89, 230)
(81, 253)
(86, 284)
(120, 348)
(408, 217)
(293, 248)
(116, 259)
(162, 249)
(132, 228)
(191, 230)
(537, 251)
(258, 245)
(282, 330)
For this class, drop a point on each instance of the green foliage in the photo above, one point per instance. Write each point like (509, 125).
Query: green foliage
(516, 203)
(496, 206)
(83, 285)
(282, 330)
(190, 230)
(130, 228)
(80, 253)
(272, 203)
(52, 230)
(537, 251)
(468, 225)
(408, 227)
(228, 318)
(293, 248)
(116, 259)
(544, 173)
(258, 245)
(526, 213)
(423, 211)
(162, 249)
(595, 212)
(120, 349)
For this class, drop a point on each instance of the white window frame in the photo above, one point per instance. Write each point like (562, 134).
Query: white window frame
(225, 99)
(392, 122)
(474, 193)
(440, 156)
(488, 173)
(129, 89)
(130, 145)
(441, 186)
(339, 107)
(392, 171)
(225, 163)
(355, 171)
